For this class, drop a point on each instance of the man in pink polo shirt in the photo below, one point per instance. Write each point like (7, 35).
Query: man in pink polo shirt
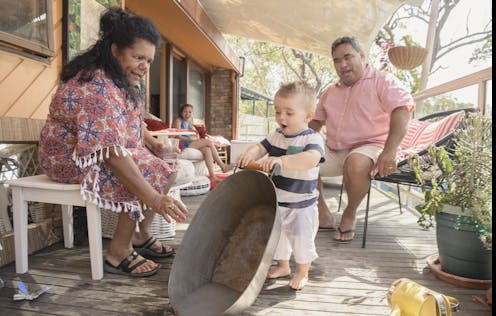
(366, 115)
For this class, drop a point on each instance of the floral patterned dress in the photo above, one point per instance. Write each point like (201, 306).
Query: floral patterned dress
(85, 120)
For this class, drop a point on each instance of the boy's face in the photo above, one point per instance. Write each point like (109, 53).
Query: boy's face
(291, 114)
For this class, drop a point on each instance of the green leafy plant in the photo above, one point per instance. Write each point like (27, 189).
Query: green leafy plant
(460, 178)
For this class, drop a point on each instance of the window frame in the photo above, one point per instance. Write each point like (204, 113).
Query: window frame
(26, 46)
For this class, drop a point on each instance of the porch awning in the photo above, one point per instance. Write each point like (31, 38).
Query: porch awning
(306, 25)
(186, 25)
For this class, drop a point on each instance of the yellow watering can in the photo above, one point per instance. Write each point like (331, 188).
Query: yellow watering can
(408, 298)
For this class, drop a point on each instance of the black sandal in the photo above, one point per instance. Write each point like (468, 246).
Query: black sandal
(124, 268)
(146, 251)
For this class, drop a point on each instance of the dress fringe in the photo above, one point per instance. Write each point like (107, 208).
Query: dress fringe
(90, 192)
(97, 156)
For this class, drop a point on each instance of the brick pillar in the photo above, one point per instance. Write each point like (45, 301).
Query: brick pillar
(220, 112)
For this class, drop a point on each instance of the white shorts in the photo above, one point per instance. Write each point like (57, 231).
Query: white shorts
(334, 160)
(298, 230)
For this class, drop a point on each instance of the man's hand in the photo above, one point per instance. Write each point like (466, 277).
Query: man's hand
(386, 162)
(385, 165)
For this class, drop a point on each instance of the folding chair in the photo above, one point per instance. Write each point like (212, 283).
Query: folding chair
(434, 129)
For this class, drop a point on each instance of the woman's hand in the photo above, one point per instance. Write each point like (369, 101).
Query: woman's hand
(169, 208)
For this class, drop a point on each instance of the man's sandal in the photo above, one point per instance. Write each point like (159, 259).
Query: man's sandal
(343, 232)
(124, 268)
(146, 251)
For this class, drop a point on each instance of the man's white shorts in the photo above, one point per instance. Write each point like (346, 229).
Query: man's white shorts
(334, 160)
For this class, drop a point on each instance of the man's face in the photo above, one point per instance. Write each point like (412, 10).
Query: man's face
(349, 63)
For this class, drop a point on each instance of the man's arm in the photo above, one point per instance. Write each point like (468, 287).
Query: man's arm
(316, 125)
(386, 163)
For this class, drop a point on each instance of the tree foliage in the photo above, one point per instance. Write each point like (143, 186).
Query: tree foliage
(268, 65)
(443, 44)
(483, 52)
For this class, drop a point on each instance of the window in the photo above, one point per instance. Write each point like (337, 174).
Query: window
(27, 25)
(196, 91)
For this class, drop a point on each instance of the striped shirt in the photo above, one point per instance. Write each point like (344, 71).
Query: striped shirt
(295, 188)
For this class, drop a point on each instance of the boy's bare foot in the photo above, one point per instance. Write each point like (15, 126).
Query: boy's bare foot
(298, 281)
(278, 272)
(300, 278)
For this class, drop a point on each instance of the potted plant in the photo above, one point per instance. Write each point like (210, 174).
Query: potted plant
(457, 187)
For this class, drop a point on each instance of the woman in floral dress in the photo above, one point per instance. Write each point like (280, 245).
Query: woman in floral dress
(94, 135)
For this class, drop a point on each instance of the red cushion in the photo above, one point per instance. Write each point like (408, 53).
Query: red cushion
(155, 125)
(202, 130)
(221, 177)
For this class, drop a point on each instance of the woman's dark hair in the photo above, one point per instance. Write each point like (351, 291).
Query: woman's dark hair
(182, 107)
(116, 27)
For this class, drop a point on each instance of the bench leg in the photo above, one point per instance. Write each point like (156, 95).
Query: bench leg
(94, 221)
(20, 210)
(68, 225)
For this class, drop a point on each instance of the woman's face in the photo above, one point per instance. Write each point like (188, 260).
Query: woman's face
(135, 60)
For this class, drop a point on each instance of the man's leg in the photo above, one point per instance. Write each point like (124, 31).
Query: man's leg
(356, 179)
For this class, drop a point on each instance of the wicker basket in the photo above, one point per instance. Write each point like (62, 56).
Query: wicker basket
(407, 57)
(159, 228)
(200, 185)
(37, 212)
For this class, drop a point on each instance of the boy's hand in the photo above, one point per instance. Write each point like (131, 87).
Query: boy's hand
(270, 162)
(244, 159)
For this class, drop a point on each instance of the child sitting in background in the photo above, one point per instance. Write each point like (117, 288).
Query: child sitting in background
(207, 148)
(298, 150)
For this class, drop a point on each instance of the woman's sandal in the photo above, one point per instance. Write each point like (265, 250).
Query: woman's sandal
(124, 268)
(146, 251)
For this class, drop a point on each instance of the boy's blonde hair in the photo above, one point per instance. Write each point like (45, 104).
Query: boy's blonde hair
(302, 88)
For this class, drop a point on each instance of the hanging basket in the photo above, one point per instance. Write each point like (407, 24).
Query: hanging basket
(407, 57)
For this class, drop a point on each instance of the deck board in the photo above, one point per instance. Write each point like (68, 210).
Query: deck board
(344, 280)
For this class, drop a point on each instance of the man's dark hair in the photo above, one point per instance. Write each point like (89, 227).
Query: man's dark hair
(116, 27)
(346, 40)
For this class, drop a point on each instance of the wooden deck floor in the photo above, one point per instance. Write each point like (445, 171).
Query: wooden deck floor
(344, 280)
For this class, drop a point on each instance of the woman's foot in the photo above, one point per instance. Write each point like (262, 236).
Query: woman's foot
(152, 247)
(132, 265)
(278, 272)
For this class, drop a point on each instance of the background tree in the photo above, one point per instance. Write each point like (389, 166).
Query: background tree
(268, 65)
(443, 45)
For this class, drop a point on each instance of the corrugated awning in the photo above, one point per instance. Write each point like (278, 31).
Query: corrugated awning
(306, 25)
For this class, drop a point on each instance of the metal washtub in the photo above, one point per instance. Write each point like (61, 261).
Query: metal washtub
(226, 252)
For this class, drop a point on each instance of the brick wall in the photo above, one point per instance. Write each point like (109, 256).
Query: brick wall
(220, 109)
